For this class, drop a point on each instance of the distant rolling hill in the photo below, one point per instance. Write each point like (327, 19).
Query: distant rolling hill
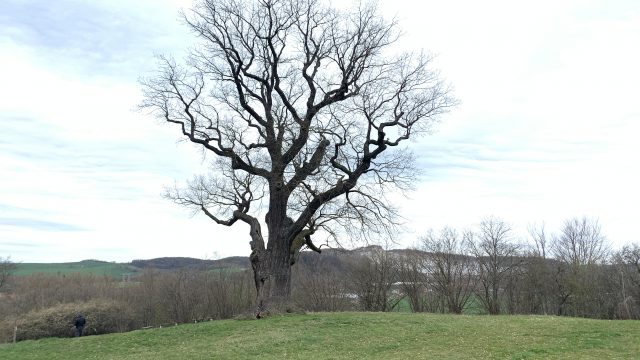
(329, 259)
(173, 263)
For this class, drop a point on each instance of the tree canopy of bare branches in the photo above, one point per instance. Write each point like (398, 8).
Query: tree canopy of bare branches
(581, 242)
(306, 111)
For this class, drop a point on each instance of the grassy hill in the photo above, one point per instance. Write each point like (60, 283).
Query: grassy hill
(86, 266)
(116, 270)
(356, 336)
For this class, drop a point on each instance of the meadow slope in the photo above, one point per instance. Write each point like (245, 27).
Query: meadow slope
(95, 267)
(356, 336)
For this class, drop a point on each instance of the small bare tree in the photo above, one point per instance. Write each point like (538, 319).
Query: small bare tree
(537, 283)
(7, 268)
(305, 109)
(449, 267)
(497, 257)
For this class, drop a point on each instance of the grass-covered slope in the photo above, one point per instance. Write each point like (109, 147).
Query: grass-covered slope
(116, 270)
(95, 267)
(356, 336)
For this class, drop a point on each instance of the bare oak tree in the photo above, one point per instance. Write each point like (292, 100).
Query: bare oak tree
(305, 109)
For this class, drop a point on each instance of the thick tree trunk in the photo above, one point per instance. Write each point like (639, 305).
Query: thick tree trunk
(271, 269)
(279, 295)
(494, 308)
(272, 272)
(272, 265)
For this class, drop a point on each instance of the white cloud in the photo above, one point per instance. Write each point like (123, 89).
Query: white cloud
(547, 125)
(546, 129)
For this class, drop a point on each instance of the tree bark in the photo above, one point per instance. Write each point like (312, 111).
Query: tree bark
(272, 272)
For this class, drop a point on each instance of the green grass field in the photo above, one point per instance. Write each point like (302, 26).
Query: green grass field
(356, 336)
(86, 266)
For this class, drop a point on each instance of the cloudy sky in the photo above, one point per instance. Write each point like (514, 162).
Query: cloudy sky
(546, 129)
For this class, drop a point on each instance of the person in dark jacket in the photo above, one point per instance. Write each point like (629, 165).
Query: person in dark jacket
(79, 323)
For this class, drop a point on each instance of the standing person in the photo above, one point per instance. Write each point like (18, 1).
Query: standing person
(79, 323)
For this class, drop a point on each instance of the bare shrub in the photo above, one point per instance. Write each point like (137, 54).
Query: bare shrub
(103, 317)
(319, 283)
(628, 309)
(40, 291)
(413, 280)
(372, 277)
(189, 295)
(226, 294)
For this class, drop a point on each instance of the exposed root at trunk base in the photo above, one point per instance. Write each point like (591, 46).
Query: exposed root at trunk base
(265, 312)
(280, 309)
